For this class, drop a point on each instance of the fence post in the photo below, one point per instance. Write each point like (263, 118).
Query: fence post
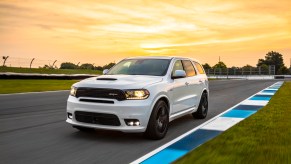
(31, 63)
(5, 58)
(54, 63)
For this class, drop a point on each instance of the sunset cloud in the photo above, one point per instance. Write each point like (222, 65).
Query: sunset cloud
(105, 31)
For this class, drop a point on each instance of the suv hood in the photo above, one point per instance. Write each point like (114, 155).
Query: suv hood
(119, 81)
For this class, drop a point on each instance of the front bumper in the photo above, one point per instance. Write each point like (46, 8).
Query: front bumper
(127, 109)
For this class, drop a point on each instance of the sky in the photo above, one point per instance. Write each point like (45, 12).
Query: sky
(103, 31)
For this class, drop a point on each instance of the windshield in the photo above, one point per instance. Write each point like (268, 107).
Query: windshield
(151, 67)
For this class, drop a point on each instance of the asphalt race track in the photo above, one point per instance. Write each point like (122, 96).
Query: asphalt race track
(33, 128)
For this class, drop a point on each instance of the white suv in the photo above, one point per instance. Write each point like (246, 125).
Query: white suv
(141, 94)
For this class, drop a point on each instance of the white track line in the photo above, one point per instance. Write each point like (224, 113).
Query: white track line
(33, 92)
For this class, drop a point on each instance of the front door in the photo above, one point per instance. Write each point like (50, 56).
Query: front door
(180, 91)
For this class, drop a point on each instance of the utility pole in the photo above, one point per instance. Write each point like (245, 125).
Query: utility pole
(219, 59)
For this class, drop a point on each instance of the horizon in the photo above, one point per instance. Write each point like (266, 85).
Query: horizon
(239, 33)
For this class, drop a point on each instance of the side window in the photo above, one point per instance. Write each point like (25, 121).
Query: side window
(189, 68)
(177, 66)
(199, 68)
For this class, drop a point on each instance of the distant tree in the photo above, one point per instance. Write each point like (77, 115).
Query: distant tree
(87, 66)
(234, 67)
(49, 67)
(219, 65)
(46, 66)
(99, 68)
(283, 71)
(108, 66)
(247, 66)
(206, 66)
(264, 69)
(233, 70)
(272, 58)
(68, 65)
(247, 69)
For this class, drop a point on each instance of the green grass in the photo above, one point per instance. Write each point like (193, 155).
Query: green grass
(49, 71)
(265, 137)
(19, 86)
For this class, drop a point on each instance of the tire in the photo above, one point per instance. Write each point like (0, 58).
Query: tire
(159, 121)
(202, 110)
(83, 129)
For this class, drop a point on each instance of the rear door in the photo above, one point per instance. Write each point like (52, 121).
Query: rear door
(201, 76)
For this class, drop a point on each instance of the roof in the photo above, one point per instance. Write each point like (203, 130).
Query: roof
(151, 57)
(161, 57)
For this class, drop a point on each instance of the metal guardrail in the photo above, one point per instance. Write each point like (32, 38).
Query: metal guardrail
(84, 76)
(250, 77)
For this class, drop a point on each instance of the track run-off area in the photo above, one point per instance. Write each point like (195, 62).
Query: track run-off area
(33, 128)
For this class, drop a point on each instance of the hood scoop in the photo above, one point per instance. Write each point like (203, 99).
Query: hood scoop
(107, 79)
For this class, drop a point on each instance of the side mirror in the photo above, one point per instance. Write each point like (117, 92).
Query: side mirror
(179, 74)
(105, 71)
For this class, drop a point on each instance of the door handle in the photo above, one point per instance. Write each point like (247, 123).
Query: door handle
(186, 83)
(200, 81)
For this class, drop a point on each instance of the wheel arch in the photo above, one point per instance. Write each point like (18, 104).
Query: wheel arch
(164, 98)
(205, 90)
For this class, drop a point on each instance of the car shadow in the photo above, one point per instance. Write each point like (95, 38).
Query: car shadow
(117, 136)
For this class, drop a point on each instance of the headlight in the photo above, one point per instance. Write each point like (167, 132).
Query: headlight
(138, 94)
(73, 91)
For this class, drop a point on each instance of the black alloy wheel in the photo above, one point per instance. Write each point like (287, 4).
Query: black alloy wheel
(202, 110)
(159, 121)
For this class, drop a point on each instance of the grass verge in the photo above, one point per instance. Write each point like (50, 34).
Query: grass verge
(265, 137)
(49, 71)
(19, 86)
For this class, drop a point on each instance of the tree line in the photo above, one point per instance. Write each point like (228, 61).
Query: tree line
(271, 58)
(69, 65)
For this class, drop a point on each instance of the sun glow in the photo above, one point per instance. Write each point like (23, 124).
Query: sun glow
(105, 31)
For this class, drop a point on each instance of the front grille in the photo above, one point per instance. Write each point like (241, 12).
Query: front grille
(101, 93)
(97, 118)
(97, 101)
(109, 79)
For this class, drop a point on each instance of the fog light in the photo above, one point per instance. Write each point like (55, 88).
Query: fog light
(70, 115)
(132, 122)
